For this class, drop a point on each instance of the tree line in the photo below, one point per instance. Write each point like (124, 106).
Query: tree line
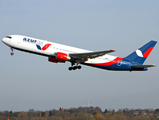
(82, 113)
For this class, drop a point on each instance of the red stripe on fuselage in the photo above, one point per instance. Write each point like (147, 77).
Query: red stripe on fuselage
(146, 54)
(116, 60)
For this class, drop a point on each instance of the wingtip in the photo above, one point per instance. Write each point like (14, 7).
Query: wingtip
(112, 50)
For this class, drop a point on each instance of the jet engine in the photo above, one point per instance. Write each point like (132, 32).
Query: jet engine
(60, 57)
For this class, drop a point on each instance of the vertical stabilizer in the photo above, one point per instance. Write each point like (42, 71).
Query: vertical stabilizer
(140, 55)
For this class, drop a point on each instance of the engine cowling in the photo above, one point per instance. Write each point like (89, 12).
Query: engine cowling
(60, 57)
(51, 59)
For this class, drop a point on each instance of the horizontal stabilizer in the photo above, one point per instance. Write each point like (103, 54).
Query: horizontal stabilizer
(142, 66)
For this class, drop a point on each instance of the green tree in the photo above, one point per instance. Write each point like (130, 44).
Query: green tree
(105, 111)
(10, 114)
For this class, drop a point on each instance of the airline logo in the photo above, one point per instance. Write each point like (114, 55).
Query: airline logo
(46, 46)
(139, 53)
(145, 54)
(29, 40)
(38, 43)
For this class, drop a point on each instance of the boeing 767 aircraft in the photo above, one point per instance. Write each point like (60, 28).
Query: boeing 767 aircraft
(62, 53)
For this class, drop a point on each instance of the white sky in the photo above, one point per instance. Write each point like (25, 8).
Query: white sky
(29, 81)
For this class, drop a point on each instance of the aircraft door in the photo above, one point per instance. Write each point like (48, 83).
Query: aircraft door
(19, 41)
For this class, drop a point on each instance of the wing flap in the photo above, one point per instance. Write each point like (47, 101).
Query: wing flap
(142, 66)
(89, 54)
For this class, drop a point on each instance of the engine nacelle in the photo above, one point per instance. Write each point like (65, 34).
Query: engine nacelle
(51, 59)
(60, 57)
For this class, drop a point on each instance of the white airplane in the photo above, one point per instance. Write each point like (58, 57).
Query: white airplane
(62, 53)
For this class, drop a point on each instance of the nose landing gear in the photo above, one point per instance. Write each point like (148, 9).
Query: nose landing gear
(11, 52)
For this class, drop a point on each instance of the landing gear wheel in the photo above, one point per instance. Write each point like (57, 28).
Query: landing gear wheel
(75, 67)
(79, 67)
(12, 53)
(70, 68)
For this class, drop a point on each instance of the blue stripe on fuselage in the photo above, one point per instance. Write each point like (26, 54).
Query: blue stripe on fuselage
(120, 66)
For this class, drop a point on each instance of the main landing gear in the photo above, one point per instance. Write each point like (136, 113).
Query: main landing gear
(74, 67)
(11, 52)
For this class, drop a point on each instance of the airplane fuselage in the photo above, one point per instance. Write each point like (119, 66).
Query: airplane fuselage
(61, 53)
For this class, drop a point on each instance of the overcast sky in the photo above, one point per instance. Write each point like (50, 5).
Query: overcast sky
(29, 81)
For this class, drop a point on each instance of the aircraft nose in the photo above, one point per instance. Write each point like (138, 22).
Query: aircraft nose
(3, 40)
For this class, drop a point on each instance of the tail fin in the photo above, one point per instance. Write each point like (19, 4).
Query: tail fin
(140, 55)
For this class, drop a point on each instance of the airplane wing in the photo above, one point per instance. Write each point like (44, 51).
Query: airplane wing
(85, 56)
(142, 66)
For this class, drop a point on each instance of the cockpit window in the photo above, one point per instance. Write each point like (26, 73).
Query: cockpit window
(9, 37)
